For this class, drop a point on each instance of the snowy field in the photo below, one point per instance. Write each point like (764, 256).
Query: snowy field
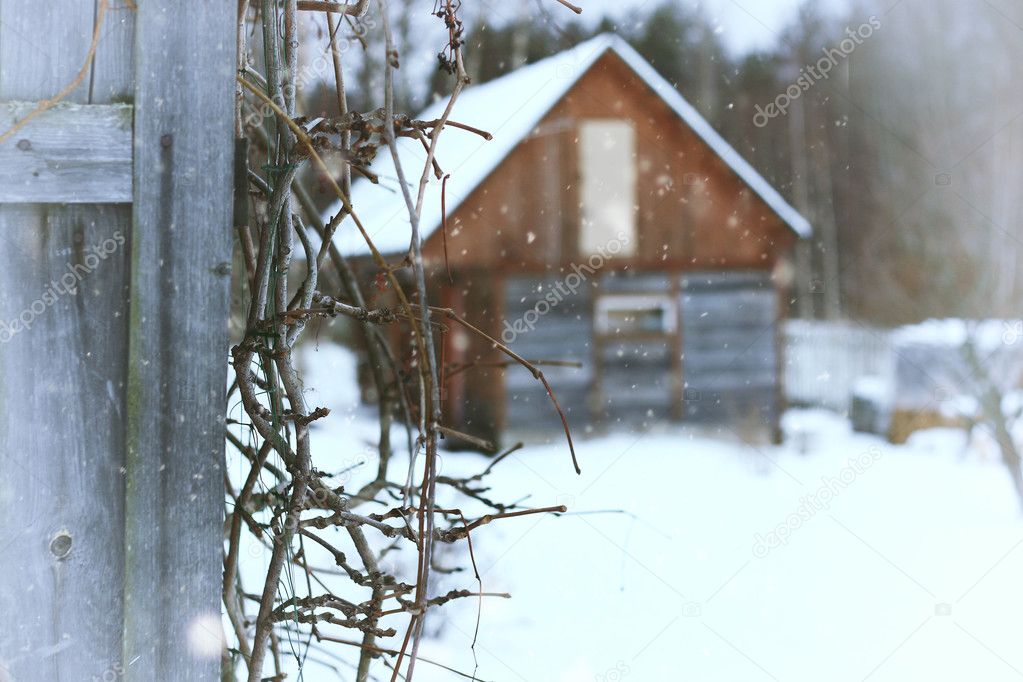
(699, 557)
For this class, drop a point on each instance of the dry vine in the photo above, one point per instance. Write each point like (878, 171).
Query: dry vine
(286, 503)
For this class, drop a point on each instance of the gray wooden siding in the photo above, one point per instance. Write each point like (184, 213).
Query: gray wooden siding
(635, 374)
(636, 380)
(178, 345)
(730, 361)
(629, 282)
(564, 332)
(729, 352)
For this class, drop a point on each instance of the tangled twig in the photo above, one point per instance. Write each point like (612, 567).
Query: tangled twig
(316, 531)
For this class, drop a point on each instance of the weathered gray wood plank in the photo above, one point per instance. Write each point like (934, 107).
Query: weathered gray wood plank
(62, 379)
(181, 250)
(112, 72)
(43, 46)
(72, 153)
(729, 323)
(561, 332)
(61, 388)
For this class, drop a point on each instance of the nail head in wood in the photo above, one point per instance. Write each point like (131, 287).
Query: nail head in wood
(60, 545)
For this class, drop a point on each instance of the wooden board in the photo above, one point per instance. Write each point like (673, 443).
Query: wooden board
(42, 48)
(553, 332)
(62, 382)
(62, 377)
(729, 347)
(73, 153)
(178, 345)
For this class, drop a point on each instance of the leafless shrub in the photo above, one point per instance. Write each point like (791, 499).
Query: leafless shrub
(286, 503)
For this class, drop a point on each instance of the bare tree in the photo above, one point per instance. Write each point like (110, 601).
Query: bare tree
(993, 377)
(940, 83)
(949, 171)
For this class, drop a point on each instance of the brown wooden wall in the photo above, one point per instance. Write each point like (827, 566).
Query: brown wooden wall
(694, 212)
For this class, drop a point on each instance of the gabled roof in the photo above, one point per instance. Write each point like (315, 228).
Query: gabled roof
(510, 108)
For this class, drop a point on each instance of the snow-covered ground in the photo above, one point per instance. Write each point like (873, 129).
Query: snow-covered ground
(700, 557)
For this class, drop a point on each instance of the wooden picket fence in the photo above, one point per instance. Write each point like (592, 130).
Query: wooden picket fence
(824, 360)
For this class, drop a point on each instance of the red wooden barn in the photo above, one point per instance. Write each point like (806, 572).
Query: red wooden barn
(605, 223)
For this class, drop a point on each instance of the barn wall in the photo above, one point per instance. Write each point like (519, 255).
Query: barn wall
(552, 325)
(514, 238)
(730, 347)
(693, 212)
(636, 373)
(473, 396)
(719, 362)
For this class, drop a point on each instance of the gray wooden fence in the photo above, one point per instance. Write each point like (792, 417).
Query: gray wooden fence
(115, 212)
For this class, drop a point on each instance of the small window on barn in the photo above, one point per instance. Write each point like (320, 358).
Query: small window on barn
(635, 315)
(607, 170)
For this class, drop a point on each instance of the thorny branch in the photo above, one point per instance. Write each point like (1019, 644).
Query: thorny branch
(330, 566)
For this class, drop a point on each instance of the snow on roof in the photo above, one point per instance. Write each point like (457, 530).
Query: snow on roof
(510, 108)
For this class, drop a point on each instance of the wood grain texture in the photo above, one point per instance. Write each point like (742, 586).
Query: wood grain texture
(42, 48)
(112, 77)
(178, 344)
(73, 153)
(62, 380)
(148, 586)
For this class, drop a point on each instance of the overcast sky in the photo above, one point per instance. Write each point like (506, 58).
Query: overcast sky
(743, 24)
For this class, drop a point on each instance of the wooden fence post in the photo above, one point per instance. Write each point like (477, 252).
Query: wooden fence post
(177, 369)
